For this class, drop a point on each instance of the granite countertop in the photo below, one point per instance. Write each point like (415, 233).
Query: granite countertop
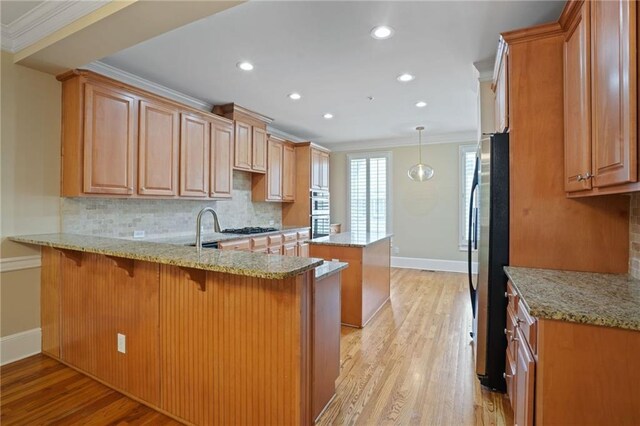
(215, 237)
(350, 239)
(583, 297)
(227, 261)
(329, 268)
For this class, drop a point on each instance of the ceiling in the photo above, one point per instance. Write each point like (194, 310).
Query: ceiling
(12, 10)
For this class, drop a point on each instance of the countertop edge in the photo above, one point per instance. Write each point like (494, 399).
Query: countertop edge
(333, 268)
(574, 318)
(179, 263)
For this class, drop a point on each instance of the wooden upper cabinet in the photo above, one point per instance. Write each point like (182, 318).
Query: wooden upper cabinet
(501, 89)
(577, 103)
(316, 162)
(242, 147)
(158, 149)
(109, 140)
(324, 171)
(614, 92)
(221, 159)
(194, 156)
(274, 170)
(259, 150)
(288, 172)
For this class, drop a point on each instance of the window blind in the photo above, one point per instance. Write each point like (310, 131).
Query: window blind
(368, 192)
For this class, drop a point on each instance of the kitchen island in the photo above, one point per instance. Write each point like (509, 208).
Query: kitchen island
(207, 337)
(366, 284)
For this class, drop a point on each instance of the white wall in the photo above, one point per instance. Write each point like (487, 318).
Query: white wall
(425, 214)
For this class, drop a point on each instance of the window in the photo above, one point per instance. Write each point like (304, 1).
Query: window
(467, 167)
(369, 199)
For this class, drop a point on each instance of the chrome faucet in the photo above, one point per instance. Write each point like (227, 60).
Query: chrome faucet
(216, 225)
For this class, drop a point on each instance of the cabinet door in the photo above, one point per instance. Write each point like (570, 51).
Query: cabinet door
(324, 171)
(109, 140)
(242, 147)
(502, 95)
(524, 382)
(288, 173)
(577, 104)
(259, 150)
(158, 144)
(316, 161)
(221, 158)
(290, 249)
(303, 249)
(194, 156)
(274, 171)
(613, 93)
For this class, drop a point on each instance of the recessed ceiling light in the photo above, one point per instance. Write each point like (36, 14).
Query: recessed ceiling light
(421, 104)
(295, 96)
(405, 77)
(245, 66)
(328, 116)
(381, 32)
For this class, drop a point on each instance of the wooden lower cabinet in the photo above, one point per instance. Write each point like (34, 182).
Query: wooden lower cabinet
(207, 348)
(290, 243)
(567, 373)
(290, 249)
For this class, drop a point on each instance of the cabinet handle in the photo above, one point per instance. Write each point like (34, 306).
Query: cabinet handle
(507, 332)
(587, 176)
(507, 376)
(506, 295)
(514, 339)
(518, 321)
(579, 178)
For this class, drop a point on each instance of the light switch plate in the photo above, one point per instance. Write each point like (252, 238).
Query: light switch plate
(122, 343)
(138, 234)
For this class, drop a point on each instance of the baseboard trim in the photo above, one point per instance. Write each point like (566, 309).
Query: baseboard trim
(20, 345)
(19, 263)
(433, 264)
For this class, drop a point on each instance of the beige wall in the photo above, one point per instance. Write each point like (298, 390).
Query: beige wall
(424, 214)
(29, 175)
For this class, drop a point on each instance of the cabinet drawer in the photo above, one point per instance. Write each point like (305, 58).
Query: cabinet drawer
(304, 235)
(242, 245)
(512, 295)
(529, 327)
(260, 250)
(258, 243)
(290, 236)
(275, 250)
(274, 240)
(510, 333)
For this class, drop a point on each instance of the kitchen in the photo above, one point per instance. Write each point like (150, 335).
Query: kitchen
(127, 169)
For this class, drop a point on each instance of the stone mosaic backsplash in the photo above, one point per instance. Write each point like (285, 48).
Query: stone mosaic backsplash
(634, 236)
(119, 217)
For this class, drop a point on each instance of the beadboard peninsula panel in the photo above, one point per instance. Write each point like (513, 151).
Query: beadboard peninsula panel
(235, 349)
(50, 301)
(99, 299)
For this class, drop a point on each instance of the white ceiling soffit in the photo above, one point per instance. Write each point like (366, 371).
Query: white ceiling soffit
(323, 50)
(41, 20)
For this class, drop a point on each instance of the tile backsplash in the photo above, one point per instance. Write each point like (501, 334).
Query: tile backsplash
(119, 217)
(634, 236)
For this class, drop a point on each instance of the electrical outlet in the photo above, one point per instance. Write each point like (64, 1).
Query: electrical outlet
(122, 343)
(396, 250)
(271, 222)
(138, 233)
(335, 260)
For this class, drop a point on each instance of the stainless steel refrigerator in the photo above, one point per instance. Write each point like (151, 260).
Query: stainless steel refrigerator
(489, 234)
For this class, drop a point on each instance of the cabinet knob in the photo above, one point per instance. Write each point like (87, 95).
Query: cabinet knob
(506, 295)
(587, 176)
(579, 178)
(507, 376)
(514, 339)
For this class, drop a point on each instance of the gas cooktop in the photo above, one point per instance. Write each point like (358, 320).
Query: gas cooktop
(248, 230)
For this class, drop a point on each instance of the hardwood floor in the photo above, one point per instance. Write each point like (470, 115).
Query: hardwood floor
(412, 364)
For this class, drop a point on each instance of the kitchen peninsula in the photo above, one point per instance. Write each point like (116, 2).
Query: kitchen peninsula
(207, 337)
(366, 284)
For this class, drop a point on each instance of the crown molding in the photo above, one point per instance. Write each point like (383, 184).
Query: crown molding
(6, 42)
(485, 69)
(454, 137)
(43, 20)
(284, 135)
(142, 83)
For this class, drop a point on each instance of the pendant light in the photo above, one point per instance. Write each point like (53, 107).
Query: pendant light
(420, 172)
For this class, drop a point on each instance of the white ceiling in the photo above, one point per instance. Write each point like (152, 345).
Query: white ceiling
(10, 10)
(323, 50)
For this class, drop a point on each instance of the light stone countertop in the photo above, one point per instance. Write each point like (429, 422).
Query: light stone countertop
(582, 297)
(329, 268)
(214, 237)
(227, 261)
(350, 239)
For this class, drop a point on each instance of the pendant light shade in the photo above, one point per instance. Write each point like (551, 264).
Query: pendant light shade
(420, 172)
